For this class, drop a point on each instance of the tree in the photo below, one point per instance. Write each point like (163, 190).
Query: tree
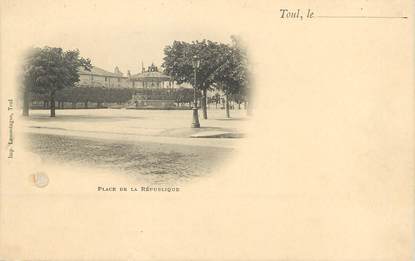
(178, 64)
(224, 67)
(216, 99)
(232, 76)
(183, 96)
(244, 94)
(50, 69)
(28, 80)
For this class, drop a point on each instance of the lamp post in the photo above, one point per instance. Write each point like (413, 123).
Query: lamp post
(196, 64)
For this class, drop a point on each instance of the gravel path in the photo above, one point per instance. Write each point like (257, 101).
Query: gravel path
(157, 163)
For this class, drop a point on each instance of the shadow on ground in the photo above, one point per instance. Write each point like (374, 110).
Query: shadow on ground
(187, 132)
(81, 118)
(155, 163)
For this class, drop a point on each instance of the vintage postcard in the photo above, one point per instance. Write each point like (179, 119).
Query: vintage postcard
(207, 130)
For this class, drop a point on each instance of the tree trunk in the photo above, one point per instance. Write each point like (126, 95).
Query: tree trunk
(52, 104)
(86, 105)
(204, 107)
(26, 103)
(239, 105)
(227, 106)
(73, 105)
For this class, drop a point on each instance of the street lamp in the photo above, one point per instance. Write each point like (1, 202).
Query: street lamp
(196, 64)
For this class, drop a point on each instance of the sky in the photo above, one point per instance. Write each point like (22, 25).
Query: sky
(129, 49)
(111, 33)
(126, 48)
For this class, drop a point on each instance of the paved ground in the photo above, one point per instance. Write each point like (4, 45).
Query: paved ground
(154, 146)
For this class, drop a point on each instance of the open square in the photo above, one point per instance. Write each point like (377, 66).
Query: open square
(156, 146)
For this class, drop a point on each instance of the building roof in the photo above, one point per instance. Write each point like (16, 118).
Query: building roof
(99, 72)
(150, 76)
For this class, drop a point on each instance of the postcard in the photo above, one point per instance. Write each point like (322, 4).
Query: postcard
(207, 130)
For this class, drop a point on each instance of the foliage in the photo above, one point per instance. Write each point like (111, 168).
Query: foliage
(178, 62)
(116, 95)
(232, 76)
(222, 66)
(50, 69)
(183, 95)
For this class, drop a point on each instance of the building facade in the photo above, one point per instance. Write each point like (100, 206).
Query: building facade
(151, 78)
(98, 77)
(151, 87)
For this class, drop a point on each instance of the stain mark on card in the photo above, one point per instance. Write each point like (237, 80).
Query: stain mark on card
(40, 179)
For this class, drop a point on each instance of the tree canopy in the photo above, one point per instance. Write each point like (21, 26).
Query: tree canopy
(49, 69)
(178, 61)
(222, 66)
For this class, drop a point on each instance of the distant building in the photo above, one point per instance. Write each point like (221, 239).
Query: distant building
(152, 88)
(98, 77)
(151, 78)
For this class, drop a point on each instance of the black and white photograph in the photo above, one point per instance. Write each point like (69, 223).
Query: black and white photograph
(207, 130)
(175, 114)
